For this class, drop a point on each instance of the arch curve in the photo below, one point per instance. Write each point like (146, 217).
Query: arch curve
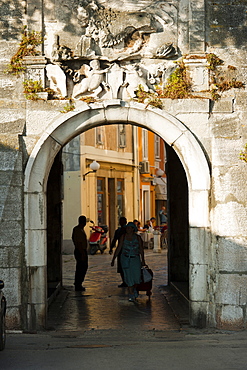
(66, 127)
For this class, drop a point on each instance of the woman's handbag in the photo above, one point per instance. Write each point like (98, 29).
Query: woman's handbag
(146, 276)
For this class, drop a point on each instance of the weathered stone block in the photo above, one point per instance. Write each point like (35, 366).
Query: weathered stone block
(11, 197)
(230, 317)
(198, 201)
(226, 126)
(11, 233)
(199, 314)
(241, 98)
(12, 178)
(13, 318)
(34, 210)
(225, 151)
(12, 288)
(196, 122)
(186, 105)
(16, 126)
(229, 183)
(223, 105)
(231, 289)
(232, 255)
(36, 255)
(198, 288)
(10, 256)
(199, 245)
(37, 291)
(220, 223)
(225, 19)
(49, 110)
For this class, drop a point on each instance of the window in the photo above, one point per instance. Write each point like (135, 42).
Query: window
(145, 144)
(101, 201)
(99, 135)
(120, 198)
(157, 146)
(121, 136)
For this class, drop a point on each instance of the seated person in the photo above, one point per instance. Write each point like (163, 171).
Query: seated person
(148, 226)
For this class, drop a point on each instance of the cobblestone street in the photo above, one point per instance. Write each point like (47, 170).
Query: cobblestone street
(104, 305)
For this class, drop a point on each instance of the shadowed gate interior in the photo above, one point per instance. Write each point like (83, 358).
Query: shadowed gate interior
(178, 224)
(54, 227)
(178, 239)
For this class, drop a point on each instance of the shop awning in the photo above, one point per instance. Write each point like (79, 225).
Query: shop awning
(160, 189)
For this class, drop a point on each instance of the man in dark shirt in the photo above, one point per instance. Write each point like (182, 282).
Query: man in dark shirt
(117, 235)
(80, 242)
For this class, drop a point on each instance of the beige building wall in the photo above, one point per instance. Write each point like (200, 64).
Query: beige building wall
(71, 204)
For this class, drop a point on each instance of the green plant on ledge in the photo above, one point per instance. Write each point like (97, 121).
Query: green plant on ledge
(88, 99)
(27, 47)
(31, 88)
(213, 61)
(243, 154)
(150, 98)
(68, 107)
(221, 80)
(178, 85)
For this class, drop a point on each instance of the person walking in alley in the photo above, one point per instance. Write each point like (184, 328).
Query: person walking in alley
(117, 235)
(132, 258)
(80, 242)
(163, 216)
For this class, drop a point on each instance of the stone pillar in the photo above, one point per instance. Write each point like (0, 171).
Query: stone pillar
(35, 68)
(198, 72)
(157, 248)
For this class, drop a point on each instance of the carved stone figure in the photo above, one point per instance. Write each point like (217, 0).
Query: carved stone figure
(166, 51)
(57, 79)
(133, 78)
(92, 82)
(60, 52)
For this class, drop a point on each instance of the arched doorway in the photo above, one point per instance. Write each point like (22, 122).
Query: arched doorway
(60, 132)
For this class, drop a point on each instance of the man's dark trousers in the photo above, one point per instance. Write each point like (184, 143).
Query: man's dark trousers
(81, 269)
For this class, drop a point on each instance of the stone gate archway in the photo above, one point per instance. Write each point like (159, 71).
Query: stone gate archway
(65, 128)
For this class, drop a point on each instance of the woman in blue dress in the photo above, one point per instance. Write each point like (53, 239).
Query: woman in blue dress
(132, 258)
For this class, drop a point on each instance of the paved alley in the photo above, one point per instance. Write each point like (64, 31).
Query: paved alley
(105, 306)
(100, 330)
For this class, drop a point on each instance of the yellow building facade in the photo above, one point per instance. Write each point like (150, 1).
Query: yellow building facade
(125, 183)
(152, 157)
(109, 193)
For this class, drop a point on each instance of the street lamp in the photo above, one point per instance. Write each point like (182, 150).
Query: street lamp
(159, 172)
(94, 167)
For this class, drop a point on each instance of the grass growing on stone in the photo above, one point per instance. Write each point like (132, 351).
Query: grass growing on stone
(221, 79)
(243, 154)
(68, 107)
(27, 47)
(178, 87)
(31, 88)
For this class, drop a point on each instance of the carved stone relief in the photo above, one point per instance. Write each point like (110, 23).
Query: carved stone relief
(116, 34)
(116, 50)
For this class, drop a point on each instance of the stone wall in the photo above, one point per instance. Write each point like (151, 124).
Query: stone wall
(193, 27)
